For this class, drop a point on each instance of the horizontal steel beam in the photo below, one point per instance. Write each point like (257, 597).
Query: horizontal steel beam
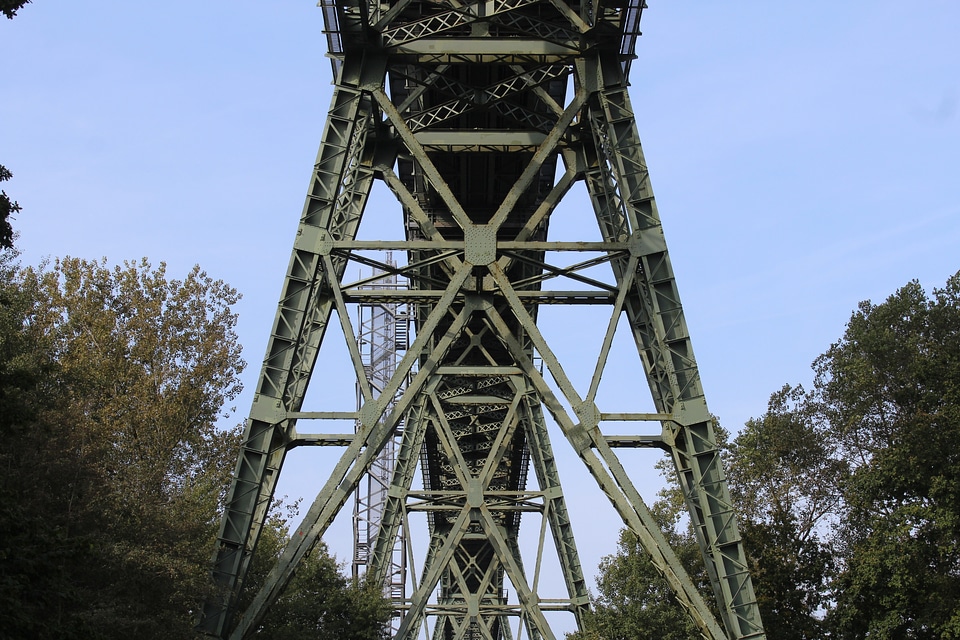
(540, 297)
(506, 245)
(479, 141)
(494, 47)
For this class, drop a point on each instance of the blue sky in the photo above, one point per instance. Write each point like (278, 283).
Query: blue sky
(804, 155)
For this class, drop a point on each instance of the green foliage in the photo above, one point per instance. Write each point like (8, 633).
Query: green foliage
(320, 603)
(849, 496)
(112, 382)
(890, 389)
(785, 462)
(113, 465)
(9, 8)
(8, 207)
(633, 600)
(784, 477)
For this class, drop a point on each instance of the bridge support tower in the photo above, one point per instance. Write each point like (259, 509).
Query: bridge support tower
(479, 116)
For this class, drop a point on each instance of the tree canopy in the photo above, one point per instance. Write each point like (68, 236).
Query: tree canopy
(320, 603)
(115, 379)
(8, 207)
(784, 477)
(633, 600)
(849, 495)
(113, 382)
(890, 390)
(9, 8)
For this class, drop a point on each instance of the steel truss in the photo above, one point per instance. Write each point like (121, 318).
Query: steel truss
(466, 111)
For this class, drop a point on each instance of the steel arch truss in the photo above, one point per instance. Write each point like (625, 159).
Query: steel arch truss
(480, 117)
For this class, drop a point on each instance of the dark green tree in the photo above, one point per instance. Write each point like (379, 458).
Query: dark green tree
(633, 600)
(785, 478)
(8, 207)
(320, 603)
(890, 389)
(9, 8)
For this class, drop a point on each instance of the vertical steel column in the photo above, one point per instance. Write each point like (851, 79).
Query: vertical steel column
(623, 201)
(339, 187)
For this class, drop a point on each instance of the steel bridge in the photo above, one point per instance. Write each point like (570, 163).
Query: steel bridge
(479, 117)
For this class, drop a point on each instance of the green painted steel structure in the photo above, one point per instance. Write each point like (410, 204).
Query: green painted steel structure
(479, 116)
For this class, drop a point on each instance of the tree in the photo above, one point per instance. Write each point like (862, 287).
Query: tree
(322, 604)
(113, 464)
(785, 478)
(7, 209)
(633, 599)
(31, 550)
(9, 8)
(890, 389)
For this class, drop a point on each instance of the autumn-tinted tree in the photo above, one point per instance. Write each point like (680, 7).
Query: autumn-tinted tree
(112, 466)
(112, 462)
(890, 388)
